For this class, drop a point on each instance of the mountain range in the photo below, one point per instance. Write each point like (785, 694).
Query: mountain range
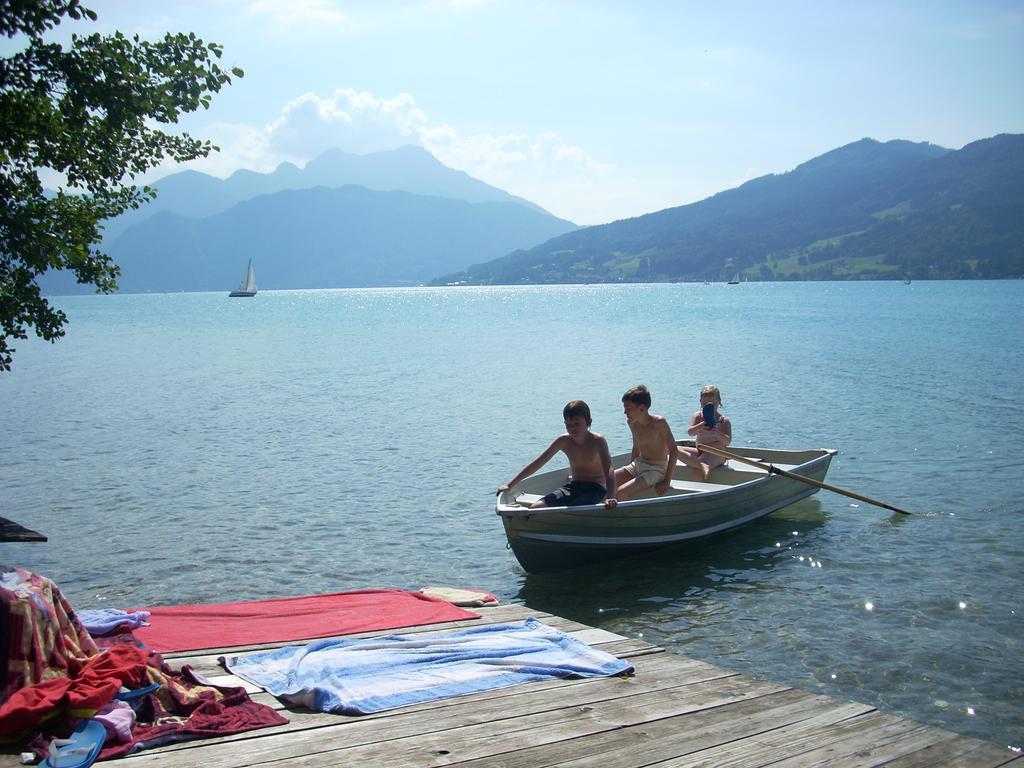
(324, 237)
(409, 169)
(867, 210)
(390, 218)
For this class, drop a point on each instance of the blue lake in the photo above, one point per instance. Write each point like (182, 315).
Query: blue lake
(195, 448)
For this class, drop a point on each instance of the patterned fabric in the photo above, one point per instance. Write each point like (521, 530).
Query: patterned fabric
(40, 636)
(187, 707)
(104, 621)
(54, 675)
(183, 707)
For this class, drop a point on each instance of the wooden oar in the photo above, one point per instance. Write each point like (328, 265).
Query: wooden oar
(772, 469)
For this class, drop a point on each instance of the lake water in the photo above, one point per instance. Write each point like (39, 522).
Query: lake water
(191, 448)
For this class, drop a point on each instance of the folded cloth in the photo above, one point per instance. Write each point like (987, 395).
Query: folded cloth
(103, 621)
(362, 676)
(118, 718)
(463, 597)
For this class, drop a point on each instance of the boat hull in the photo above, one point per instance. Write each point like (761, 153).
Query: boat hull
(241, 294)
(559, 538)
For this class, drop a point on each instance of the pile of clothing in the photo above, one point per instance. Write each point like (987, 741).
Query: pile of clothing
(61, 693)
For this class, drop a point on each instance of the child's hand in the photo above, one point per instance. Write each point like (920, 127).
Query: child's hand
(661, 487)
(611, 503)
(501, 490)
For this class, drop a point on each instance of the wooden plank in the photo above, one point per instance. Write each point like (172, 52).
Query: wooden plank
(659, 671)
(12, 531)
(894, 740)
(481, 719)
(956, 751)
(667, 738)
(460, 739)
(801, 744)
(583, 723)
(674, 712)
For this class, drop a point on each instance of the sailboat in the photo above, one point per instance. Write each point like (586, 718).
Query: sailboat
(248, 285)
(735, 279)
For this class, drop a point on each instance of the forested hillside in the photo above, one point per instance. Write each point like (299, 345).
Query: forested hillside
(867, 210)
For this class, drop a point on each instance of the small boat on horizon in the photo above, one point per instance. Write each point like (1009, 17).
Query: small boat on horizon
(556, 538)
(735, 279)
(247, 287)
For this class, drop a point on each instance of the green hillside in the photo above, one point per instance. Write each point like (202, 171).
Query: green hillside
(868, 210)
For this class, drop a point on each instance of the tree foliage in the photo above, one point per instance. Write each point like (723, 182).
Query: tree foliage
(93, 111)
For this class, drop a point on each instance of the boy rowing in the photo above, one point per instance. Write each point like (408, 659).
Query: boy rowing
(591, 478)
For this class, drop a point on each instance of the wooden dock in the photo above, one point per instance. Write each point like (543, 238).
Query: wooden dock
(673, 712)
(12, 531)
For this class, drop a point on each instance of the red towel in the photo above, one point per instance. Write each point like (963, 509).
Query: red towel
(94, 687)
(195, 627)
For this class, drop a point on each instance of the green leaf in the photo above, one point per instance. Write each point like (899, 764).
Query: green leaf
(87, 111)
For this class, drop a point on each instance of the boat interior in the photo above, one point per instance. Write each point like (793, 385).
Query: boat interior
(733, 473)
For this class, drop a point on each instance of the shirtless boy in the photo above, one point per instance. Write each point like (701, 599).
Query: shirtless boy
(718, 436)
(590, 463)
(654, 448)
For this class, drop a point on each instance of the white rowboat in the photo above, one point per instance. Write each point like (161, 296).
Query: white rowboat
(555, 538)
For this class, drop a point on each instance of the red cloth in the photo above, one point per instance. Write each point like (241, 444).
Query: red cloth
(184, 707)
(195, 627)
(64, 699)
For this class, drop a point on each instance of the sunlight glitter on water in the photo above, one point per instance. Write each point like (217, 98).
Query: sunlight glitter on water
(320, 441)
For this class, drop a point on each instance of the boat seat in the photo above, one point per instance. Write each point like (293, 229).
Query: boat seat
(526, 499)
(691, 486)
(734, 470)
(685, 486)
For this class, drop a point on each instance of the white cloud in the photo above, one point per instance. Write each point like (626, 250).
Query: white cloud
(241, 146)
(458, 5)
(544, 167)
(352, 120)
(299, 14)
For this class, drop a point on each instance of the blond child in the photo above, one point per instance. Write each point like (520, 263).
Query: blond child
(715, 432)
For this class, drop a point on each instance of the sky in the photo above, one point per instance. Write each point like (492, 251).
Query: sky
(594, 110)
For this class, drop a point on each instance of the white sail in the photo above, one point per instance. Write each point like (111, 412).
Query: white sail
(249, 282)
(248, 285)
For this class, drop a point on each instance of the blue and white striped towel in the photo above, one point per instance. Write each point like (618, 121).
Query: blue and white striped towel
(362, 676)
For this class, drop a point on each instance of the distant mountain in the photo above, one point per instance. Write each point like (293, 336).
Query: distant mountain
(862, 211)
(325, 238)
(409, 169)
